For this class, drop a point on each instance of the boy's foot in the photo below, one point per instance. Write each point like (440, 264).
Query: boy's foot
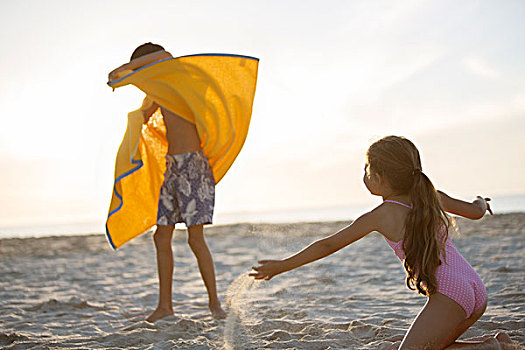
(217, 312)
(158, 314)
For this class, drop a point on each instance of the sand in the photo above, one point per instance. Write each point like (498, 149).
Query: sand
(75, 292)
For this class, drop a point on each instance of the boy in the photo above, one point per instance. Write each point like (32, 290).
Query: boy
(187, 195)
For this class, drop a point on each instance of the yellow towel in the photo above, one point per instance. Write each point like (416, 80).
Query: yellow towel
(213, 91)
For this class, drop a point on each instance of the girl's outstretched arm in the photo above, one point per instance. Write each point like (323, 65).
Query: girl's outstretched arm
(319, 249)
(471, 210)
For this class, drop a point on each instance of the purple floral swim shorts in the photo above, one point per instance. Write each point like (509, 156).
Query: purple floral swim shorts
(188, 191)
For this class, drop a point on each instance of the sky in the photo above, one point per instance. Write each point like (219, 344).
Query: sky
(334, 76)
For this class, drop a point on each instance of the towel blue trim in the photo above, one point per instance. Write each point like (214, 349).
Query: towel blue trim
(139, 164)
(110, 83)
(221, 55)
(138, 70)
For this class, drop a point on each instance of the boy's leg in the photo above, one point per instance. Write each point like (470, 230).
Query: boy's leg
(162, 238)
(199, 247)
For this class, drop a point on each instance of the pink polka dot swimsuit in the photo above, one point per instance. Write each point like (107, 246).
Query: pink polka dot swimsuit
(455, 277)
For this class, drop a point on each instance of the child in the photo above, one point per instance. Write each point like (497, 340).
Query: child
(413, 221)
(187, 193)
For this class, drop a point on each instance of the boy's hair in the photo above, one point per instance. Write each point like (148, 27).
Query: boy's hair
(145, 49)
(397, 160)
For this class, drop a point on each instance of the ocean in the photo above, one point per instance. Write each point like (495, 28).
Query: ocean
(500, 205)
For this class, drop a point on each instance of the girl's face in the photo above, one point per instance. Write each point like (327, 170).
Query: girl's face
(372, 181)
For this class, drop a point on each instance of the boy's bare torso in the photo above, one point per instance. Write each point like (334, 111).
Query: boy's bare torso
(182, 135)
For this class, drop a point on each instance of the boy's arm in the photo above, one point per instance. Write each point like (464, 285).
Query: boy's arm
(319, 249)
(471, 210)
(137, 63)
(148, 108)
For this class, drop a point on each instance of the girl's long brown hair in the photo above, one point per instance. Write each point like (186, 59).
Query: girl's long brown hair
(397, 160)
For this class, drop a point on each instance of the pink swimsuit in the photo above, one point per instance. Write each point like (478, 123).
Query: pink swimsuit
(455, 277)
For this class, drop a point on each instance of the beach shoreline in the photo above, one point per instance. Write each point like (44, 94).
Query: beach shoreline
(76, 292)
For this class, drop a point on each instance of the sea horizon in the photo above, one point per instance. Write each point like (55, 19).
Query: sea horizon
(501, 205)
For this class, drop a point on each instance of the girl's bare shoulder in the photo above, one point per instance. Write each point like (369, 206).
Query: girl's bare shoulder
(390, 220)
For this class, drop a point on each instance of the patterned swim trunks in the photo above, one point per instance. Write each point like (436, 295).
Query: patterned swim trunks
(188, 191)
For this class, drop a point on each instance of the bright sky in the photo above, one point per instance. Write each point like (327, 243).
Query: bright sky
(333, 76)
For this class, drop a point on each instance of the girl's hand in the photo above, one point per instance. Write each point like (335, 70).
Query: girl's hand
(267, 269)
(484, 204)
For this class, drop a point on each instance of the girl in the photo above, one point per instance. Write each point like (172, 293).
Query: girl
(413, 221)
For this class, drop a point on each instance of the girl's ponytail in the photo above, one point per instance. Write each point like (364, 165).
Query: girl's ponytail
(426, 231)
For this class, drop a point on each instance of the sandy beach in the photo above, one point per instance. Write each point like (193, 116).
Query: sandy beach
(75, 292)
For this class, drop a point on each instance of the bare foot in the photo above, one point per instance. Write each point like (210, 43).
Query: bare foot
(217, 312)
(505, 341)
(490, 343)
(158, 314)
